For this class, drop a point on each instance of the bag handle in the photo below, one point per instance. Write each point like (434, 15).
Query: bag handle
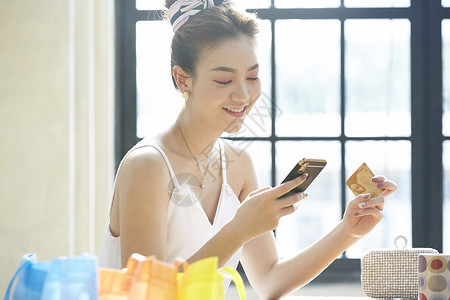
(232, 274)
(227, 272)
(24, 263)
(178, 261)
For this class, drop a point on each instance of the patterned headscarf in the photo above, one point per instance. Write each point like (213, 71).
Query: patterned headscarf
(181, 10)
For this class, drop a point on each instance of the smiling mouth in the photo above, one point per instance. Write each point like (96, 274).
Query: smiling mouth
(235, 110)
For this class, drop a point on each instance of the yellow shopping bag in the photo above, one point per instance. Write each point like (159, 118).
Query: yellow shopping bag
(203, 280)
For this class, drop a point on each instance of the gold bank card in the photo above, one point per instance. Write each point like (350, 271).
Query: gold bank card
(361, 182)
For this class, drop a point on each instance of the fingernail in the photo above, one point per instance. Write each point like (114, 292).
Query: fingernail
(356, 213)
(380, 184)
(301, 196)
(304, 176)
(374, 179)
(362, 204)
(366, 196)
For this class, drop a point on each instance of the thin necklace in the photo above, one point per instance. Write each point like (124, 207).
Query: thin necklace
(196, 160)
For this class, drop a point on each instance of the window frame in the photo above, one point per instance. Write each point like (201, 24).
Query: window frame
(426, 105)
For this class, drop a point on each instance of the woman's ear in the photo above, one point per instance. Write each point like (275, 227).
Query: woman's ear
(182, 79)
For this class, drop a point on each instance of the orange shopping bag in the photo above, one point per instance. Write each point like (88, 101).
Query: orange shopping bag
(116, 284)
(144, 278)
(156, 280)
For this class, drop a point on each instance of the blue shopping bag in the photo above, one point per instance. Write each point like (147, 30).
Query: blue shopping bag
(68, 278)
(29, 277)
(72, 278)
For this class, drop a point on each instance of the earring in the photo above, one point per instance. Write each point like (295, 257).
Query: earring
(186, 96)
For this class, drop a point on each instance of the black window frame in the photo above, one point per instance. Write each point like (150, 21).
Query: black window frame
(426, 137)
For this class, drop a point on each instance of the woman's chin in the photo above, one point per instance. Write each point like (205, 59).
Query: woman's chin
(234, 126)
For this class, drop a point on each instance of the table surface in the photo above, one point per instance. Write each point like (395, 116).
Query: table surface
(325, 298)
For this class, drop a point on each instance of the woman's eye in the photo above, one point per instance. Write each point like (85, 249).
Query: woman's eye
(223, 82)
(253, 78)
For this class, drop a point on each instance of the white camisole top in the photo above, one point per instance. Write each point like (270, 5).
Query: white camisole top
(188, 227)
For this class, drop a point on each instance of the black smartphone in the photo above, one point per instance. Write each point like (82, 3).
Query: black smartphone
(309, 166)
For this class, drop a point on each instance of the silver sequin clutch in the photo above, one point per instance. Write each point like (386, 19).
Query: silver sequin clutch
(391, 273)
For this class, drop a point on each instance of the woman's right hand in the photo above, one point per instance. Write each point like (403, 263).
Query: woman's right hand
(261, 211)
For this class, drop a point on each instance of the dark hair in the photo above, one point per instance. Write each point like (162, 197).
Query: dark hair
(204, 31)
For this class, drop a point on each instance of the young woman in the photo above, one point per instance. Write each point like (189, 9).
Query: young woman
(187, 193)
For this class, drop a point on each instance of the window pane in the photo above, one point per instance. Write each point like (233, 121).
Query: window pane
(446, 130)
(393, 160)
(149, 5)
(321, 210)
(445, 3)
(155, 91)
(377, 3)
(377, 78)
(248, 4)
(446, 76)
(446, 208)
(308, 77)
(307, 3)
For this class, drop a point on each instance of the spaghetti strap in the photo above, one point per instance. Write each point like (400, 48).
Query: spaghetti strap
(166, 159)
(223, 162)
(169, 166)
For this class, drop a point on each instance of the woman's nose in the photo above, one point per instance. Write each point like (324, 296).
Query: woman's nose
(241, 93)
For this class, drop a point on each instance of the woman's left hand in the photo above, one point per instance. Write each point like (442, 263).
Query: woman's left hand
(363, 212)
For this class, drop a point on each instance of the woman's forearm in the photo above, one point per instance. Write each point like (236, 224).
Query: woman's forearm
(223, 245)
(305, 266)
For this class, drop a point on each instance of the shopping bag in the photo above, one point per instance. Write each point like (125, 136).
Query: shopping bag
(29, 279)
(146, 278)
(62, 278)
(72, 278)
(116, 284)
(203, 280)
(143, 278)
(156, 280)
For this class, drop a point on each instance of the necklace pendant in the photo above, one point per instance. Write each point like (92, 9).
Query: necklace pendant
(203, 182)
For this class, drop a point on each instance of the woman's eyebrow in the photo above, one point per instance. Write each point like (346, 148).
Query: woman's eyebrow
(231, 70)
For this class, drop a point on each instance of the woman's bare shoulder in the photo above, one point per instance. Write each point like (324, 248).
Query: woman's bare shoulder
(143, 168)
(143, 158)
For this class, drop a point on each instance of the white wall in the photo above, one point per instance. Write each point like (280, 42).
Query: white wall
(56, 128)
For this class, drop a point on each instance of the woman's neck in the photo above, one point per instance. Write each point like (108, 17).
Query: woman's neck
(198, 137)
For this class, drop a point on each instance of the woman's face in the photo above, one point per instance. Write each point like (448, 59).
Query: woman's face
(226, 84)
